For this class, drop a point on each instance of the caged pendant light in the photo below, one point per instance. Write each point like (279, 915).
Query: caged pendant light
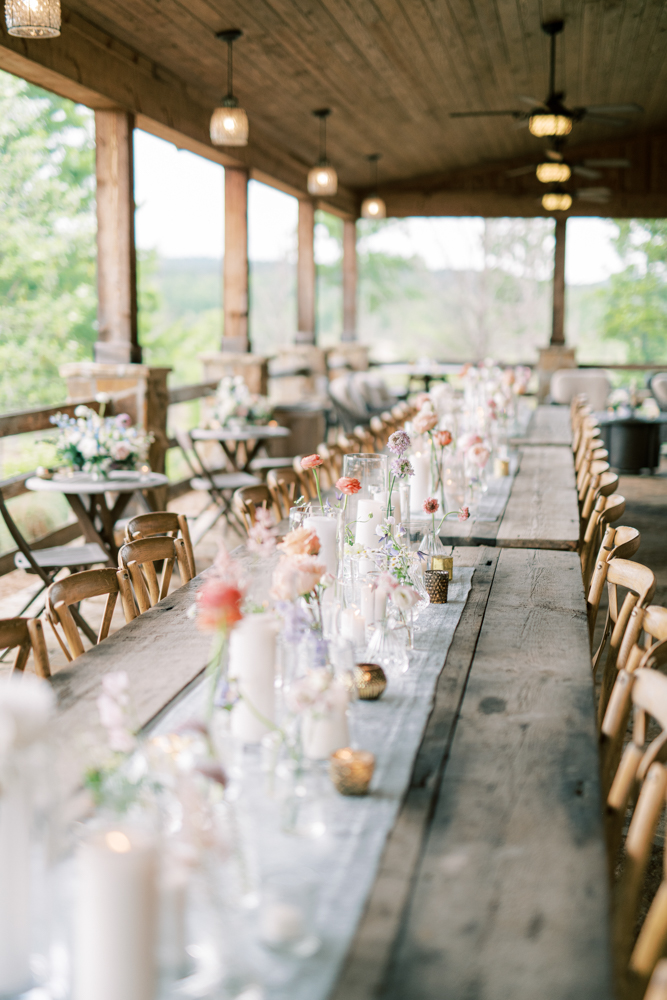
(553, 173)
(373, 207)
(322, 179)
(557, 201)
(33, 18)
(229, 123)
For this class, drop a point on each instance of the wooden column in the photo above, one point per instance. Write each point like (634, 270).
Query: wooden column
(349, 279)
(306, 274)
(117, 338)
(558, 324)
(235, 268)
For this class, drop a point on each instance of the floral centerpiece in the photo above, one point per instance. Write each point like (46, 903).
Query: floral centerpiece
(235, 404)
(91, 442)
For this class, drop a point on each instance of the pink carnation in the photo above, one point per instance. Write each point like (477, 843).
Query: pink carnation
(311, 462)
(431, 505)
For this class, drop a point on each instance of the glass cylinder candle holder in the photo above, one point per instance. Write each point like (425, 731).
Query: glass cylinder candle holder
(352, 770)
(296, 517)
(287, 913)
(372, 471)
(326, 522)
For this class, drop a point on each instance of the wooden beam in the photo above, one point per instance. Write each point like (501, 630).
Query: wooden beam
(349, 279)
(92, 67)
(117, 336)
(235, 264)
(491, 204)
(558, 321)
(306, 274)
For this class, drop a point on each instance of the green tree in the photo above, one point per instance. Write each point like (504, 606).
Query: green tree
(47, 241)
(636, 313)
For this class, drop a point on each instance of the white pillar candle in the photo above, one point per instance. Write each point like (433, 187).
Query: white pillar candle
(326, 529)
(380, 605)
(281, 923)
(367, 595)
(366, 566)
(252, 664)
(15, 835)
(395, 502)
(369, 515)
(353, 626)
(420, 483)
(116, 916)
(325, 729)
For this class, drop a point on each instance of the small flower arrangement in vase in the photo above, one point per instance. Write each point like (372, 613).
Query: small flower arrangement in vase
(236, 405)
(93, 443)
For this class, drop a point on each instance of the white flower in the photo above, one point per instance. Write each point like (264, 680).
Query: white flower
(26, 705)
(88, 446)
(404, 597)
(81, 411)
(102, 398)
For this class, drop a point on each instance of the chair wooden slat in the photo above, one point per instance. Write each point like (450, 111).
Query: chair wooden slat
(27, 634)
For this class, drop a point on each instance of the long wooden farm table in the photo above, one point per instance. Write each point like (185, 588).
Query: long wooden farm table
(491, 881)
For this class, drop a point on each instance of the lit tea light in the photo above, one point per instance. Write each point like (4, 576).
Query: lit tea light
(351, 770)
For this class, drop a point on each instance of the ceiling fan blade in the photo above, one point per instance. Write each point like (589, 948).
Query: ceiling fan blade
(611, 109)
(521, 122)
(620, 164)
(603, 120)
(520, 171)
(533, 101)
(480, 114)
(594, 194)
(592, 175)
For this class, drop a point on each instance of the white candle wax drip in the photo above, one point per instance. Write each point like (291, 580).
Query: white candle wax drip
(252, 663)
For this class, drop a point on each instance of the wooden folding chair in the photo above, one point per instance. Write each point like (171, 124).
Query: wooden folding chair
(140, 557)
(28, 635)
(285, 488)
(247, 500)
(639, 583)
(162, 522)
(618, 543)
(78, 587)
(364, 438)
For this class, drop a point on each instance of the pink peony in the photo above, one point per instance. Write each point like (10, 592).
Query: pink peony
(464, 513)
(431, 505)
(120, 451)
(300, 542)
(296, 576)
(218, 605)
(348, 486)
(442, 438)
(425, 421)
(311, 462)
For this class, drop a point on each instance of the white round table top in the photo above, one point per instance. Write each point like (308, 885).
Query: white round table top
(250, 432)
(118, 481)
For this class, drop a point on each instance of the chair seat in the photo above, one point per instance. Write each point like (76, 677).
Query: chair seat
(63, 556)
(262, 464)
(225, 481)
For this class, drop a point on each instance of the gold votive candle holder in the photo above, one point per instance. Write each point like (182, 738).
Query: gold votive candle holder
(441, 563)
(436, 582)
(501, 467)
(351, 770)
(371, 681)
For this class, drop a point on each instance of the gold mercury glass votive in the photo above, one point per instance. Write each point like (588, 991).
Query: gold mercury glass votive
(436, 582)
(351, 770)
(371, 681)
(442, 563)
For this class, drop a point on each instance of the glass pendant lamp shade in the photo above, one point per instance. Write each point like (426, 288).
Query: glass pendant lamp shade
(557, 201)
(553, 173)
(229, 127)
(373, 208)
(33, 18)
(322, 180)
(549, 125)
(229, 123)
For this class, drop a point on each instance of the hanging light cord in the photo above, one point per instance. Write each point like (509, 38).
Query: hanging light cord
(323, 138)
(230, 70)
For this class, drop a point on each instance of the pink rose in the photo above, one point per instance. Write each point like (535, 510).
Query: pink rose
(300, 542)
(348, 486)
(311, 462)
(425, 421)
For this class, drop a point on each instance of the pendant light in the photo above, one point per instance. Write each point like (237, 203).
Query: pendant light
(33, 18)
(553, 173)
(322, 179)
(549, 125)
(373, 207)
(229, 123)
(557, 201)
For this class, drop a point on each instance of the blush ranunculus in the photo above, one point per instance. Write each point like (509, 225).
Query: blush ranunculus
(424, 421)
(442, 438)
(311, 462)
(300, 542)
(218, 605)
(348, 486)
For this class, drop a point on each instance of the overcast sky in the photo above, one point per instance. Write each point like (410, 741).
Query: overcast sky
(180, 213)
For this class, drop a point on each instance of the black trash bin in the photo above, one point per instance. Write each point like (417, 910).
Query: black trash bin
(633, 443)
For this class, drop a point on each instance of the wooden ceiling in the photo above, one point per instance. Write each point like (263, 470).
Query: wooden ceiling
(393, 70)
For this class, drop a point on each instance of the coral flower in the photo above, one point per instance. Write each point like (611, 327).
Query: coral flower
(311, 462)
(431, 505)
(348, 486)
(218, 605)
(442, 438)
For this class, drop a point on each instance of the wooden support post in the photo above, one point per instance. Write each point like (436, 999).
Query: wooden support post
(117, 338)
(306, 274)
(235, 268)
(349, 279)
(558, 325)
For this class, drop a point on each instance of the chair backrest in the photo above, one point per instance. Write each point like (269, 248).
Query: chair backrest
(27, 634)
(328, 476)
(305, 478)
(602, 485)
(589, 471)
(379, 432)
(618, 543)
(285, 488)
(595, 453)
(80, 587)
(648, 622)
(246, 501)
(162, 522)
(607, 510)
(364, 438)
(139, 558)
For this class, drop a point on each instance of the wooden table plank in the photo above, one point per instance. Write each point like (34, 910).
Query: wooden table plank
(368, 958)
(511, 894)
(549, 425)
(542, 510)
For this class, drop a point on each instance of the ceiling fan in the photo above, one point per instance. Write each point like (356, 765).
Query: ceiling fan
(552, 117)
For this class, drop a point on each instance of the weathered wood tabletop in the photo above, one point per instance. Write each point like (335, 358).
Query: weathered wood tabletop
(549, 425)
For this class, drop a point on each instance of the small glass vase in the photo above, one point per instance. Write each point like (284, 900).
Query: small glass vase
(387, 651)
(431, 545)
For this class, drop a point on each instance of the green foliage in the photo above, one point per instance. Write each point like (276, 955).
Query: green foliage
(47, 241)
(636, 304)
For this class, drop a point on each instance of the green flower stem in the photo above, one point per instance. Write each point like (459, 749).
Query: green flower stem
(317, 486)
(450, 513)
(214, 670)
